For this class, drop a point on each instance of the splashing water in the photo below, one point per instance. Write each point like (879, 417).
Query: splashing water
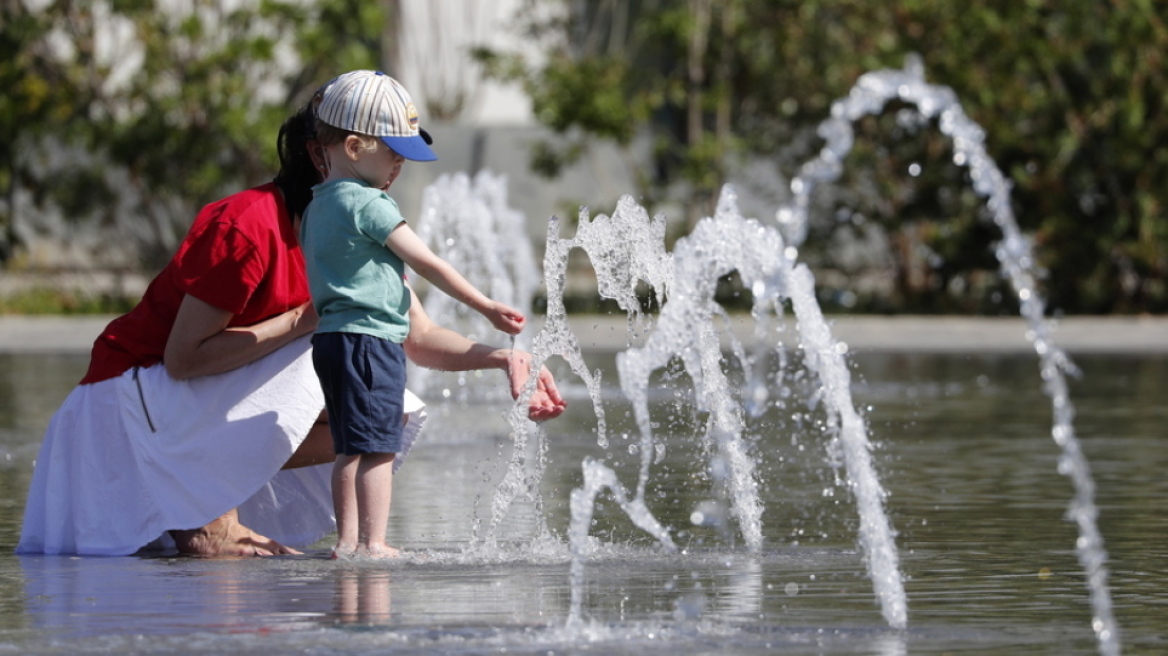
(627, 249)
(687, 329)
(871, 92)
(469, 222)
(597, 477)
(619, 268)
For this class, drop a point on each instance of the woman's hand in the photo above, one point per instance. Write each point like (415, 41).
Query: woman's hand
(434, 347)
(201, 343)
(304, 319)
(545, 402)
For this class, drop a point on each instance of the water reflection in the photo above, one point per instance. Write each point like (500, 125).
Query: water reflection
(962, 447)
(70, 598)
(363, 597)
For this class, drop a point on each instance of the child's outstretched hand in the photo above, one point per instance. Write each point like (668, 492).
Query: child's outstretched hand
(505, 318)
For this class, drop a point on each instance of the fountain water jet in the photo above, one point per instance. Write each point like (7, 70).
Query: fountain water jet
(868, 97)
(619, 269)
(684, 282)
(469, 221)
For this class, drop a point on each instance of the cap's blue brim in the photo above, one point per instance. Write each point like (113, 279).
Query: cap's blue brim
(411, 148)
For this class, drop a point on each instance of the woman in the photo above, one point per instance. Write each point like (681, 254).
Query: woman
(200, 413)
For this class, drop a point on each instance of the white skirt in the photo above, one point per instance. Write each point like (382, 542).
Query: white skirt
(127, 459)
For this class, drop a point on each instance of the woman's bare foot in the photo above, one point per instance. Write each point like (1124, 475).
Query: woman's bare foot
(225, 536)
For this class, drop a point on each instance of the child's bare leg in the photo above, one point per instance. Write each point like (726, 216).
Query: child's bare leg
(346, 504)
(374, 492)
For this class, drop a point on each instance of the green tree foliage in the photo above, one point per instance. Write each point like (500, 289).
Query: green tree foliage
(40, 97)
(1072, 97)
(185, 104)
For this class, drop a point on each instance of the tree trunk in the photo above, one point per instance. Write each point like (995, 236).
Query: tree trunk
(391, 39)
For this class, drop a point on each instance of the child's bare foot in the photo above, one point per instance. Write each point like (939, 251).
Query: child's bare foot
(379, 552)
(344, 551)
(225, 536)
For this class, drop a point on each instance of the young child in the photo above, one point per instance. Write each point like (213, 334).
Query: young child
(355, 243)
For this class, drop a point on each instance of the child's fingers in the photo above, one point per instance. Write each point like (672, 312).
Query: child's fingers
(508, 326)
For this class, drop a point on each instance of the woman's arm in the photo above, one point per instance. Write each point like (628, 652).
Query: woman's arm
(201, 344)
(434, 347)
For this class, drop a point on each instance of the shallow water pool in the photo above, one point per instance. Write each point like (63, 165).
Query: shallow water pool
(962, 448)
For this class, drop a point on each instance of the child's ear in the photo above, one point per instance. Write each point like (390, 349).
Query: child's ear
(353, 147)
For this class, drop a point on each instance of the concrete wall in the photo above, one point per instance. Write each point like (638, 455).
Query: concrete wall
(598, 181)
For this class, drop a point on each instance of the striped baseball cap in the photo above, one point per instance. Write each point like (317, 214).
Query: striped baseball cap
(375, 104)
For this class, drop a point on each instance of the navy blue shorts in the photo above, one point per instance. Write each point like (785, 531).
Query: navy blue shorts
(364, 383)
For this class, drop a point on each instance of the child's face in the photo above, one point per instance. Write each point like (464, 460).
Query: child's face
(379, 168)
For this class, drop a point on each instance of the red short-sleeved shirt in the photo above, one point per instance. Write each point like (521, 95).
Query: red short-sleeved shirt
(241, 255)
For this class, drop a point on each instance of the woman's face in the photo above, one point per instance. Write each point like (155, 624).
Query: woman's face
(316, 152)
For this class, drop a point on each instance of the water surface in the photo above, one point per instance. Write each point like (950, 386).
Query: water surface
(963, 449)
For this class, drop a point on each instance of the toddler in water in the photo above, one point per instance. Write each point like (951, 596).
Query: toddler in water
(355, 245)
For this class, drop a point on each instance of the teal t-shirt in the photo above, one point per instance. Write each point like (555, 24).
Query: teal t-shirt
(356, 282)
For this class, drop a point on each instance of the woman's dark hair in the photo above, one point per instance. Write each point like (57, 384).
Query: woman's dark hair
(297, 173)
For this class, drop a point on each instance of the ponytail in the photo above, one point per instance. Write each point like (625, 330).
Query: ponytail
(297, 173)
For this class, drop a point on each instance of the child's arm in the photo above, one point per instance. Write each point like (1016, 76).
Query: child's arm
(404, 242)
(432, 346)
